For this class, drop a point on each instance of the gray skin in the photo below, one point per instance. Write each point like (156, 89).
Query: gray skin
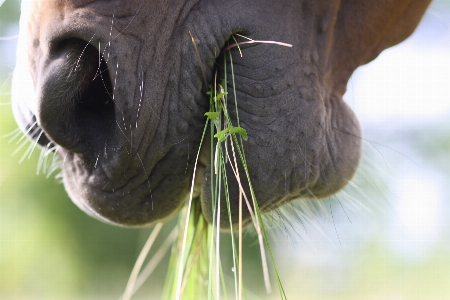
(128, 138)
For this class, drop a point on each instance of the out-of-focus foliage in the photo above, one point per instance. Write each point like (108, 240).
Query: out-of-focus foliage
(9, 14)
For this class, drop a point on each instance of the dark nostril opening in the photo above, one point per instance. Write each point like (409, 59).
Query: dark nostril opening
(95, 108)
(76, 109)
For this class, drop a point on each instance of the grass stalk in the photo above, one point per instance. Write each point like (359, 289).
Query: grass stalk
(156, 258)
(140, 261)
(195, 267)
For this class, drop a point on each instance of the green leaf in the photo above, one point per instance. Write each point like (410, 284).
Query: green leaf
(212, 115)
(220, 96)
(239, 130)
(221, 135)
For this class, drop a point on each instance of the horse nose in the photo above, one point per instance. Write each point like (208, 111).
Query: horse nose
(74, 93)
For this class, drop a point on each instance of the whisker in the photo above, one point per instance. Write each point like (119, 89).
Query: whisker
(180, 141)
(45, 161)
(310, 211)
(64, 159)
(281, 212)
(336, 165)
(44, 153)
(104, 85)
(176, 175)
(329, 201)
(40, 160)
(113, 99)
(99, 62)
(100, 74)
(290, 207)
(146, 175)
(15, 136)
(123, 132)
(8, 79)
(79, 58)
(141, 89)
(123, 119)
(283, 223)
(123, 115)
(35, 143)
(35, 132)
(55, 164)
(27, 132)
(131, 138)
(53, 150)
(15, 132)
(105, 152)
(379, 144)
(105, 185)
(24, 142)
(137, 11)
(96, 161)
(115, 82)
(108, 45)
(30, 147)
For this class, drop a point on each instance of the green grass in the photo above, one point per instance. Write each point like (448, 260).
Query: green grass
(195, 268)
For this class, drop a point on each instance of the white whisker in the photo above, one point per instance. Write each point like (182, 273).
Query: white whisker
(54, 165)
(79, 58)
(20, 147)
(115, 82)
(30, 147)
(14, 132)
(141, 89)
(40, 161)
(35, 143)
(99, 62)
(96, 161)
(108, 45)
(123, 132)
(131, 21)
(148, 180)
(27, 133)
(15, 136)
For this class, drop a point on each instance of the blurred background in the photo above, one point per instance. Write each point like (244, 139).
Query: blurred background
(387, 236)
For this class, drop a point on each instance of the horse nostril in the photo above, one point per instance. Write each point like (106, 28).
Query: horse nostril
(75, 107)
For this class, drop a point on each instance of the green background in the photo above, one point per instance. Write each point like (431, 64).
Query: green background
(49, 249)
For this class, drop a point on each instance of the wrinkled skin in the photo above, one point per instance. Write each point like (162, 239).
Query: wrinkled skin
(128, 126)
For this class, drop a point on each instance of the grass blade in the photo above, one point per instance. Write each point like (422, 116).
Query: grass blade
(140, 261)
